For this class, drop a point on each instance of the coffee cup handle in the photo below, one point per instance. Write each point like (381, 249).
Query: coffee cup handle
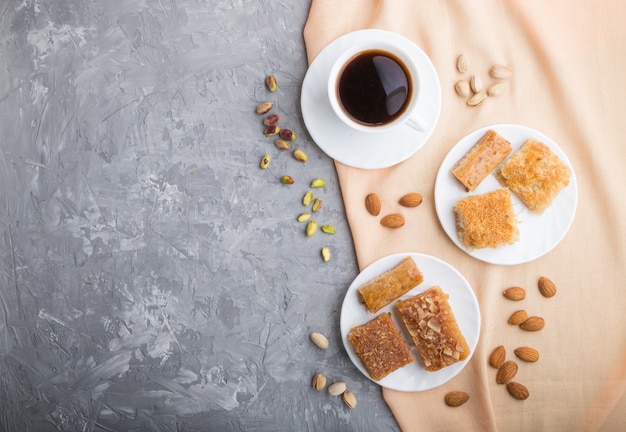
(417, 123)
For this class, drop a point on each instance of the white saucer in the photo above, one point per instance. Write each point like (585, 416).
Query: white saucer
(414, 376)
(359, 149)
(539, 233)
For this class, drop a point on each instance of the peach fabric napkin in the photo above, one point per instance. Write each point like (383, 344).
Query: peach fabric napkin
(569, 82)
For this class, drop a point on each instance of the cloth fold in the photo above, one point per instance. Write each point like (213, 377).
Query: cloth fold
(568, 62)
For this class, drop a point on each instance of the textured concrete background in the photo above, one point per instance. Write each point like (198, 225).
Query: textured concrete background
(152, 277)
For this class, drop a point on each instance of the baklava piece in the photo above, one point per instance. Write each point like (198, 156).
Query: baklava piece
(481, 160)
(535, 174)
(391, 285)
(486, 220)
(380, 347)
(431, 323)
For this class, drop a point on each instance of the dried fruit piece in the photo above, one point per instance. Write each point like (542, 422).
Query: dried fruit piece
(497, 357)
(477, 99)
(533, 323)
(271, 130)
(319, 340)
(517, 390)
(373, 204)
(506, 372)
(299, 155)
(337, 388)
(271, 120)
(462, 88)
(288, 135)
(527, 354)
(326, 253)
(476, 84)
(412, 199)
(547, 288)
(318, 382)
(317, 205)
(393, 220)
(456, 398)
(287, 179)
(497, 89)
(282, 144)
(462, 63)
(318, 183)
(270, 82)
(264, 108)
(303, 217)
(307, 199)
(311, 228)
(328, 229)
(500, 72)
(349, 399)
(518, 317)
(514, 293)
(265, 162)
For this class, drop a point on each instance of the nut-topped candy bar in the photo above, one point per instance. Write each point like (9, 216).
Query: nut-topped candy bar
(380, 347)
(431, 323)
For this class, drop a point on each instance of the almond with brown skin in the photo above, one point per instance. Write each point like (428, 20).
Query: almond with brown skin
(514, 293)
(393, 220)
(527, 354)
(533, 323)
(518, 317)
(517, 390)
(373, 204)
(506, 372)
(497, 357)
(411, 200)
(547, 288)
(456, 398)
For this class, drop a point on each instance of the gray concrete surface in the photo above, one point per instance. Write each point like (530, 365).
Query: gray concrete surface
(152, 277)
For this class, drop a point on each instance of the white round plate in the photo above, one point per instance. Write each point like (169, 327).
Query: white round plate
(360, 149)
(539, 234)
(414, 377)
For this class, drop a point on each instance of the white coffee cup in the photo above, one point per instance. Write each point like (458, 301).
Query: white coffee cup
(398, 61)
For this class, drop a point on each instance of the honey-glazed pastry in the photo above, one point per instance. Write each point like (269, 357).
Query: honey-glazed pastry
(535, 174)
(380, 347)
(481, 160)
(391, 285)
(486, 220)
(431, 323)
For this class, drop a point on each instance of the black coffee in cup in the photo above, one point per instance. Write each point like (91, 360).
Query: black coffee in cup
(374, 88)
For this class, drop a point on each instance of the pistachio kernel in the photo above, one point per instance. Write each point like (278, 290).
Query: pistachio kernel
(328, 229)
(288, 135)
(265, 162)
(326, 253)
(303, 217)
(264, 108)
(317, 205)
(318, 183)
(307, 199)
(299, 155)
(271, 120)
(287, 179)
(270, 82)
(311, 228)
(282, 144)
(271, 130)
